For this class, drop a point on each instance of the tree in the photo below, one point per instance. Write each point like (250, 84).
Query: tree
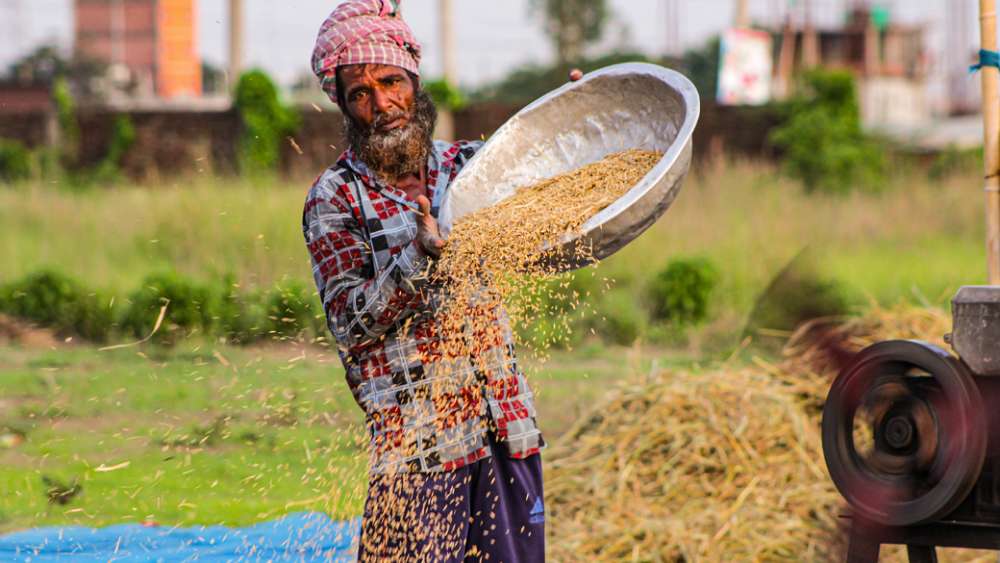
(571, 25)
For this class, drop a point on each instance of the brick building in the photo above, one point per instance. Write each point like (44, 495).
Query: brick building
(149, 44)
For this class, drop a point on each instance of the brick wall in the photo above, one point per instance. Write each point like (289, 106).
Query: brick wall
(172, 143)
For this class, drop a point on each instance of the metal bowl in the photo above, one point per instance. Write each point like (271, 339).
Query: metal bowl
(620, 107)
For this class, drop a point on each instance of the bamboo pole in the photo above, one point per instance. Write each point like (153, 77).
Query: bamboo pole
(991, 139)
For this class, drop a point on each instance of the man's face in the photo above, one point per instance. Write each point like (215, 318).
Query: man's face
(390, 121)
(377, 96)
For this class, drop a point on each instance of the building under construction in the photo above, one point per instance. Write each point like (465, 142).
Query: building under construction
(150, 45)
(890, 61)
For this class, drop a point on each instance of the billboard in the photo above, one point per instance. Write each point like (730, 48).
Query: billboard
(745, 67)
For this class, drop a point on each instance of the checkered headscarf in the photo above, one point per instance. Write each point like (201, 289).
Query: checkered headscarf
(363, 31)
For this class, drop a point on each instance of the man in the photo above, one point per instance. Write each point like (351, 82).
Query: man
(455, 470)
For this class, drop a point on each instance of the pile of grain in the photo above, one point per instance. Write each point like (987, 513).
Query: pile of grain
(720, 465)
(497, 256)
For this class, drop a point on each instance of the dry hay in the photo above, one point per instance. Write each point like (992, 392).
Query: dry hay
(720, 465)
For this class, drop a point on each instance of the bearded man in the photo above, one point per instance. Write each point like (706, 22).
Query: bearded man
(455, 471)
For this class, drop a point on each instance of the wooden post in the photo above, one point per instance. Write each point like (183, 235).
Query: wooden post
(991, 139)
(235, 42)
(446, 120)
(742, 14)
(811, 56)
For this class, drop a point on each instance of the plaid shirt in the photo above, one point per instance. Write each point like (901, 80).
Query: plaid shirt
(424, 412)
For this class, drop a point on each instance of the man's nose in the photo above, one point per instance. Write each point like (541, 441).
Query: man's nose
(383, 102)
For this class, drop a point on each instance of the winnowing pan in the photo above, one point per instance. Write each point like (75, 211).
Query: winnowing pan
(620, 107)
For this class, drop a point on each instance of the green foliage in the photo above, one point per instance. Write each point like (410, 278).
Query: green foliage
(266, 122)
(618, 317)
(54, 300)
(293, 311)
(69, 127)
(191, 308)
(823, 143)
(445, 95)
(680, 292)
(701, 66)
(241, 318)
(572, 24)
(122, 138)
(954, 160)
(15, 161)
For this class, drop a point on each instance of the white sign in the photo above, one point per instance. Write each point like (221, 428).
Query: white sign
(744, 68)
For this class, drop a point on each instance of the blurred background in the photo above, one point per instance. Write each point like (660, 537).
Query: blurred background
(163, 357)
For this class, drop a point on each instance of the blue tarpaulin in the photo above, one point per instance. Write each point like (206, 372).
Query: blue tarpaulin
(304, 536)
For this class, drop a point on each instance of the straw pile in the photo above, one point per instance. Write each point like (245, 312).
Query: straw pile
(723, 465)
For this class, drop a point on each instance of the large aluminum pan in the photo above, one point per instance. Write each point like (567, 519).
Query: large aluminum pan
(620, 107)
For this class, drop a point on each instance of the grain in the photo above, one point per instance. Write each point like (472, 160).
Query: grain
(498, 259)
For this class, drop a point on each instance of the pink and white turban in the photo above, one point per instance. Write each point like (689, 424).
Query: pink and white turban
(363, 31)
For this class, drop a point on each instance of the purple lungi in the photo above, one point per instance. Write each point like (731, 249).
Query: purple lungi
(491, 510)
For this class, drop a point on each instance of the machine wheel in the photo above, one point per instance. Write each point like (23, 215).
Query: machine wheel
(904, 433)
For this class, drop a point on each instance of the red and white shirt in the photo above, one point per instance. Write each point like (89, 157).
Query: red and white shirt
(424, 412)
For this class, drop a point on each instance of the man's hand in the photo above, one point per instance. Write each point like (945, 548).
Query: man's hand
(428, 236)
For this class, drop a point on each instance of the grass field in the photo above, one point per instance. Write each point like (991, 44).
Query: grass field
(742, 217)
(213, 434)
(219, 434)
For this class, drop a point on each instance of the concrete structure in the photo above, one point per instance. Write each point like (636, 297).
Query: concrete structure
(150, 45)
(890, 62)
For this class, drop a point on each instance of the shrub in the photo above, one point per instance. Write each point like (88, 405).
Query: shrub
(680, 292)
(619, 318)
(266, 122)
(954, 160)
(190, 307)
(293, 311)
(69, 126)
(54, 300)
(445, 95)
(241, 317)
(15, 161)
(122, 139)
(823, 143)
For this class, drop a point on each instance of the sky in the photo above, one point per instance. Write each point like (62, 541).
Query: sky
(493, 37)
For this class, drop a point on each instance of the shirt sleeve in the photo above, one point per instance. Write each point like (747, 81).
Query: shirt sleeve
(361, 305)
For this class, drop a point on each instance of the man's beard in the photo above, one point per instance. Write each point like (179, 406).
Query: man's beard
(400, 151)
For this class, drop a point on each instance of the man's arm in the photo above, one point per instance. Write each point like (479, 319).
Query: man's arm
(360, 304)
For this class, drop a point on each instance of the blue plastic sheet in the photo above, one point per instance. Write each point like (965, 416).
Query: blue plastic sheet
(304, 536)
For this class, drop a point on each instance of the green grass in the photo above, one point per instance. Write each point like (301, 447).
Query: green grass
(291, 439)
(745, 219)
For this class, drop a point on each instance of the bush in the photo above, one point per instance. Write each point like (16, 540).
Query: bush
(15, 161)
(57, 301)
(190, 308)
(822, 140)
(445, 96)
(241, 317)
(122, 139)
(680, 292)
(293, 311)
(266, 122)
(619, 318)
(954, 160)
